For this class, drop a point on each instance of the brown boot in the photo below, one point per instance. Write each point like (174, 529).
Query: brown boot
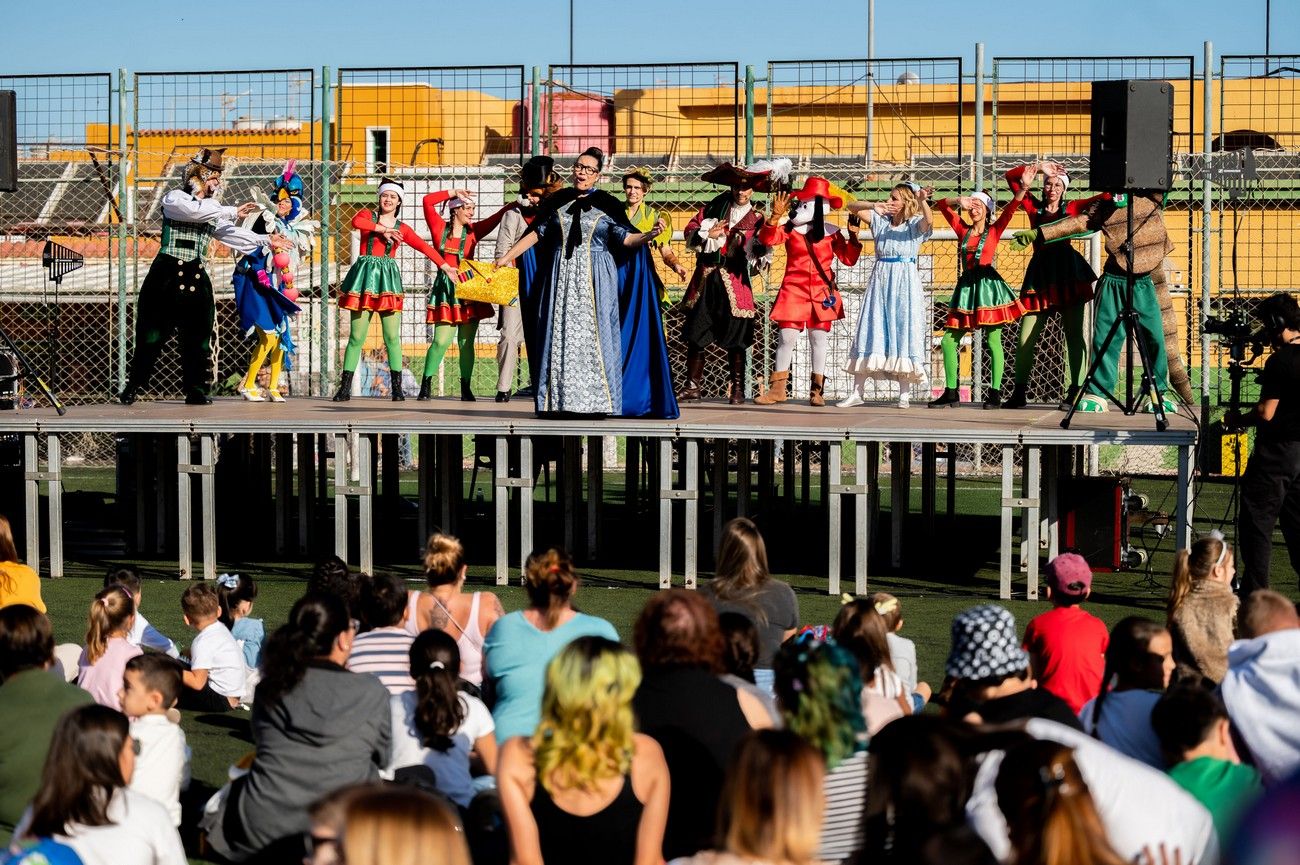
(694, 373)
(736, 364)
(776, 390)
(816, 389)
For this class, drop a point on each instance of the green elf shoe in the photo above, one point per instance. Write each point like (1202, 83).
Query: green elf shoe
(1091, 404)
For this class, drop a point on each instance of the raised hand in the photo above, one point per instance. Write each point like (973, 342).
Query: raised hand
(965, 202)
(1051, 169)
(780, 207)
(463, 194)
(925, 194)
(246, 208)
(892, 207)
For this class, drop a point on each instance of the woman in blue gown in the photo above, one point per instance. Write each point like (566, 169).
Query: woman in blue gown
(598, 331)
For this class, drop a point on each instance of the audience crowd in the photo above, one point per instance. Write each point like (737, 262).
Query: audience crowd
(402, 727)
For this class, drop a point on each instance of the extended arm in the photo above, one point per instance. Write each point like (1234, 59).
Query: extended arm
(518, 248)
(946, 208)
(484, 227)
(1018, 180)
(410, 237)
(185, 208)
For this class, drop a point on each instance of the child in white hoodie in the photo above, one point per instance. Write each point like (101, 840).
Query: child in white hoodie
(1262, 689)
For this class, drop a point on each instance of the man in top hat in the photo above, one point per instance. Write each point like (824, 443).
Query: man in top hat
(719, 300)
(177, 293)
(809, 298)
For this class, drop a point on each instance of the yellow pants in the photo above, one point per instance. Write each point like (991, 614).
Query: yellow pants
(268, 344)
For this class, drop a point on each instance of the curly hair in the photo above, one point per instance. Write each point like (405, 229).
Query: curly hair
(819, 689)
(585, 735)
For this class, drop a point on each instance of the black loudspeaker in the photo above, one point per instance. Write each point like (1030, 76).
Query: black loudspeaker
(8, 141)
(1132, 143)
(1092, 520)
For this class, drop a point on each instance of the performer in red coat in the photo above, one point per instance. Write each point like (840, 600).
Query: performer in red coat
(808, 297)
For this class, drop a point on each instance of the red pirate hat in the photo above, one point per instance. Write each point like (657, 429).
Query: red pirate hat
(814, 187)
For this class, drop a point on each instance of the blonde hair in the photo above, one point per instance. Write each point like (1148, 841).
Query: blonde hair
(772, 799)
(587, 727)
(444, 557)
(110, 613)
(550, 581)
(400, 826)
(8, 553)
(1192, 564)
(742, 560)
(889, 608)
(911, 205)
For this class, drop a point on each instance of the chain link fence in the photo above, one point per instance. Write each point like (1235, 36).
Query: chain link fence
(91, 146)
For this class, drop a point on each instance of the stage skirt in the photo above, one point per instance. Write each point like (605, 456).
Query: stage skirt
(444, 308)
(373, 284)
(1057, 277)
(982, 298)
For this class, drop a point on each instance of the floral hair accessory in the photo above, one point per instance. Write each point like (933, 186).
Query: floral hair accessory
(884, 608)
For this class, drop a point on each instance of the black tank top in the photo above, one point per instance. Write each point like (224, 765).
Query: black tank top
(607, 837)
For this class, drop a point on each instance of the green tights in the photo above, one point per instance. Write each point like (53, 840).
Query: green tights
(1031, 327)
(391, 325)
(952, 336)
(442, 333)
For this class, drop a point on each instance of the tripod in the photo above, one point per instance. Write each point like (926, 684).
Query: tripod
(1128, 320)
(26, 373)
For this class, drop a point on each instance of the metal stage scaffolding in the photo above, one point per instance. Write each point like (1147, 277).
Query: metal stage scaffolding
(508, 433)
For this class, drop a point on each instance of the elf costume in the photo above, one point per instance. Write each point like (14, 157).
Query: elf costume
(1057, 279)
(374, 285)
(447, 314)
(808, 297)
(982, 299)
(177, 294)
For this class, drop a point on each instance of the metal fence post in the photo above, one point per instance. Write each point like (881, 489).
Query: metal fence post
(749, 114)
(1207, 196)
(767, 126)
(536, 108)
(326, 315)
(976, 334)
(127, 209)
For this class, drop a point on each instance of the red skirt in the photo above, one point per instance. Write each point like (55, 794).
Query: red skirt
(460, 312)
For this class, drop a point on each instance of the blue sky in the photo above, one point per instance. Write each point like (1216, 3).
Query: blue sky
(79, 36)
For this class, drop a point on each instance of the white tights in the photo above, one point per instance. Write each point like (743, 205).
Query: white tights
(819, 340)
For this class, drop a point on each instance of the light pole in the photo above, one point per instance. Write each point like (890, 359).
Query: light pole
(570, 37)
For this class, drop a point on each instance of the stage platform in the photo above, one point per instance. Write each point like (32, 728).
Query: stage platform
(355, 426)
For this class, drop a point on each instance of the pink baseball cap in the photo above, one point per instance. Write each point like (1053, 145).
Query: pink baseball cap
(1069, 575)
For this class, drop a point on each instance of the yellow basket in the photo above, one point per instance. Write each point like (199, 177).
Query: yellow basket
(488, 283)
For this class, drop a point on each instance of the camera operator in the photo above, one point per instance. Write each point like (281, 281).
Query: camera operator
(1270, 487)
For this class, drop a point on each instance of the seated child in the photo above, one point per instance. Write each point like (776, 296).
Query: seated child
(384, 651)
(150, 688)
(1139, 662)
(902, 651)
(1196, 739)
(1067, 646)
(236, 593)
(104, 658)
(143, 634)
(216, 678)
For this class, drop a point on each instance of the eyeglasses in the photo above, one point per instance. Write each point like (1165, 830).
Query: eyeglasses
(579, 168)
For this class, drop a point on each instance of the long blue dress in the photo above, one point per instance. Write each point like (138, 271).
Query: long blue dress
(599, 333)
(894, 327)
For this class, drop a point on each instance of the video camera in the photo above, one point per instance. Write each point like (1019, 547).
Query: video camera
(1233, 324)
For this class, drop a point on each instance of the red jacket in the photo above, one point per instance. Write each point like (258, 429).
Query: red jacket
(970, 241)
(800, 273)
(438, 226)
(374, 244)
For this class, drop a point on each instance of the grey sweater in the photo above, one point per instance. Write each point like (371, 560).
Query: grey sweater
(333, 729)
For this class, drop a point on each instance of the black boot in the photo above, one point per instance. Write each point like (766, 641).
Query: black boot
(503, 396)
(1070, 396)
(736, 377)
(128, 395)
(197, 397)
(426, 389)
(344, 393)
(993, 398)
(694, 372)
(1017, 399)
(395, 385)
(949, 397)
(466, 393)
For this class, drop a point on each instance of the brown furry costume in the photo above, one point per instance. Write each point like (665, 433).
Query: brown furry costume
(1202, 629)
(1150, 245)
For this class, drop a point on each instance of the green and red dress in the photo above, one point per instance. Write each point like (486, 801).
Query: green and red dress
(374, 281)
(981, 297)
(443, 307)
(1057, 276)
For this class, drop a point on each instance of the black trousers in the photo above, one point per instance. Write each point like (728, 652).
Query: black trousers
(1270, 492)
(176, 297)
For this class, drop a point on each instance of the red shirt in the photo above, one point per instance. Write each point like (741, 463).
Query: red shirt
(1035, 208)
(800, 271)
(970, 241)
(477, 230)
(1068, 647)
(373, 243)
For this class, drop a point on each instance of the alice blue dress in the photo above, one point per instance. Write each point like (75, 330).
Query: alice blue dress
(894, 326)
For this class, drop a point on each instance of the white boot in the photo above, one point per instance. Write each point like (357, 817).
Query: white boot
(855, 396)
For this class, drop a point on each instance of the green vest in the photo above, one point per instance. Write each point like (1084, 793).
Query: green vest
(186, 240)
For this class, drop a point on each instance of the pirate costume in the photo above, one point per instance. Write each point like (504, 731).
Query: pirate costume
(177, 293)
(719, 298)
